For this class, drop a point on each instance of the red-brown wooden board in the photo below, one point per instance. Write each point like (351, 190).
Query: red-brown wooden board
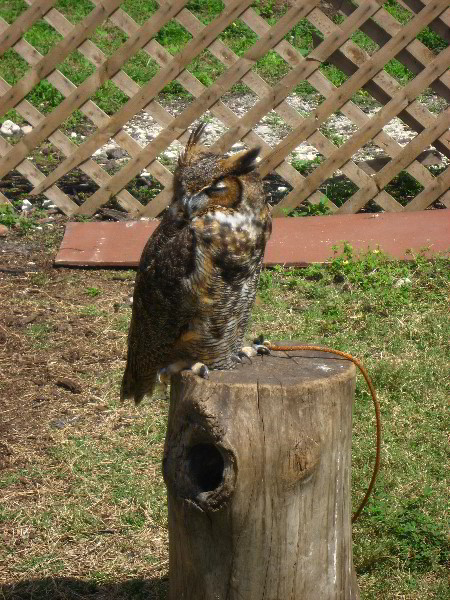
(294, 241)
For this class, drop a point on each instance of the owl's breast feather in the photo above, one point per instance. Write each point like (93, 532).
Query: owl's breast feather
(238, 232)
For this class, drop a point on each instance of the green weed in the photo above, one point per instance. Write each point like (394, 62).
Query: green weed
(90, 310)
(403, 188)
(39, 279)
(93, 292)
(338, 189)
(311, 210)
(305, 167)
(39, 334)
(10, 218)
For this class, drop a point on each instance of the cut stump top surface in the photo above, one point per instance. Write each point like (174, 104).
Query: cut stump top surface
(285, 368)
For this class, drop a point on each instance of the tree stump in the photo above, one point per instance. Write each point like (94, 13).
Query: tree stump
(257, 465)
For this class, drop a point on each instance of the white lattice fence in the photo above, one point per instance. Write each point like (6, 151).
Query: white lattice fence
(366, 72)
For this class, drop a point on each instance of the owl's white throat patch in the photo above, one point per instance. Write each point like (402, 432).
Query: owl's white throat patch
(234, 219)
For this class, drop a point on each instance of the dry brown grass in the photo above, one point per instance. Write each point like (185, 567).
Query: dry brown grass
(82, 501)
(64, 436)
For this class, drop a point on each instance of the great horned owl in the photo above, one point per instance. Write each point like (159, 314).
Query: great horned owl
(199, 271)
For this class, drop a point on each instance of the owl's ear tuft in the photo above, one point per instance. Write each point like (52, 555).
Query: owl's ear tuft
(192, 142)
(243, 162)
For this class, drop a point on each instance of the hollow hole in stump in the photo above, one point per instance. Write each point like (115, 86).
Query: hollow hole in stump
(205, 467)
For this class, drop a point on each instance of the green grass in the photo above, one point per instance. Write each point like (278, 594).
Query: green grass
(10, 217)
(93, 291)
(89, 505)
(400, 333)
(141, 68)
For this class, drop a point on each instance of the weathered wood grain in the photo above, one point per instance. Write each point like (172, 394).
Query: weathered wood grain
(257, 463)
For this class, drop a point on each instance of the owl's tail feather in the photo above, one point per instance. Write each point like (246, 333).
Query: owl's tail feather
(136, 386)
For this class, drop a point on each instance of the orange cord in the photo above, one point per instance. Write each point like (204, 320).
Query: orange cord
(376, 404)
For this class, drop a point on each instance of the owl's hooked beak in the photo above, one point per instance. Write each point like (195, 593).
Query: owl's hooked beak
(193, 204)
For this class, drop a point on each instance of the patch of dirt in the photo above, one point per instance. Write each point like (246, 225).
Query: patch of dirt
(68, 513)
(58, 329)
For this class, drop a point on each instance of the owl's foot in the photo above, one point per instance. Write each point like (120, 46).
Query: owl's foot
(254, 350)
(198, 368)
(240, 356)
(164, 376)
(201, 370)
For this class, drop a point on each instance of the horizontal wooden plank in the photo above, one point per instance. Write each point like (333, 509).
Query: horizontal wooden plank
(294, 241)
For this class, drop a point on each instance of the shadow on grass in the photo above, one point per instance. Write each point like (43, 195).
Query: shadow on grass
(66, 588)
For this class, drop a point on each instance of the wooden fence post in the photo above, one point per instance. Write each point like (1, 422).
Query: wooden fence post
(257, 465)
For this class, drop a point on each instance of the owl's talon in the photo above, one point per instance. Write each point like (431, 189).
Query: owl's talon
(204, 372)
(239, 356)
(248, 351)
(201, 370)
(254, 350)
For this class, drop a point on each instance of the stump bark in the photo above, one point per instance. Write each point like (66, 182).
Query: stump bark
(257, 465)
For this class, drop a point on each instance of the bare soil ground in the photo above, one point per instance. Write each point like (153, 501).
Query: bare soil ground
(62, 351)
(40, 380)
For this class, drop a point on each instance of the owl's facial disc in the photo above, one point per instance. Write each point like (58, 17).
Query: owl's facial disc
(197, 202)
